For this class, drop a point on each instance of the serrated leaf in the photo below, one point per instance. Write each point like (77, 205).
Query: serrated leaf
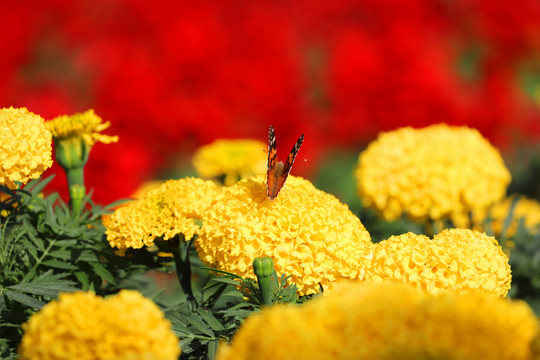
(59, 264)
(224, 280)
(181, 330)
(102, 272)
(83, 279)
(36, 186)
(231, 292)
(51, 217)
(51, 290)
(211, 320)
(38, 242)
(61, 254)
(198, 324)
(87, 256)
(212, 349)
(24, 299)
(29, 247)
(239, 311)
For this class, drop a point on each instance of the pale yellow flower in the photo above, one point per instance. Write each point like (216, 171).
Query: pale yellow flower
(309, 234)
(454, 261)
(84, 326)
(388, 321)
(431, 173)
(86, 125)
(25, 146)
(233, 159)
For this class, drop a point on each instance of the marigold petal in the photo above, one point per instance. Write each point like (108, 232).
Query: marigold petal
(310, 234)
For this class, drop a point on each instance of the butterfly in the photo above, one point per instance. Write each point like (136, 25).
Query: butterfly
(277, 171)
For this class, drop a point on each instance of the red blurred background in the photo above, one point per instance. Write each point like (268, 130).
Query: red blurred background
(172, 75)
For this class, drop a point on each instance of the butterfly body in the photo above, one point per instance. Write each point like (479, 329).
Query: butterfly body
(278, 171)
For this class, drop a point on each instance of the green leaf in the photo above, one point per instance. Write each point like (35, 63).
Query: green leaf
(87, 256)
(36, 186)
(29, 247)
(211, 320)
(239, 311)
(38, 242)
(51, 290)
(198, 324)
(181, 330)
(47, 284)
(102, 272)
(24, 299)
(61, 254)
(57, 264)
(212, 349)
(83, 279)
(223, 279)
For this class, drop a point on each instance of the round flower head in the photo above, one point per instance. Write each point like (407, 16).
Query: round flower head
(164, 212)
(25, 148)
(136, 195)
(387, 321)
(434, 173)
(232, 159)
(309, 234)
(455, 260)
(84, 326)
(525, 209)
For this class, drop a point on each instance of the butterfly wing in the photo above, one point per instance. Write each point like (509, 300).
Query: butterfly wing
(292, 156)
(277, 173)
(271, 178)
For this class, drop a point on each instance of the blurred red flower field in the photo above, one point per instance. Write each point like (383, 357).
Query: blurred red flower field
(175, 75)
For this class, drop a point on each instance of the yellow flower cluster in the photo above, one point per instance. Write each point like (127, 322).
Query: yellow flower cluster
(25, 146)
(526, 209)
(309, 234)
(164, 212)
(86, 125)
(388, 321)
(232, 159)
(84, 326)
(435, 173)
(456, 260)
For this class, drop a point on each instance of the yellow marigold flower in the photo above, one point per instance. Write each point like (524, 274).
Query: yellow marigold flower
(25, 146)
(86, 125)
(233, 159)
(164, 212)
(136, 195)
(309, 234)
(84, 326)
(434, 173)
(455, 260)
(525, 209)
(388, 321)
(141, 191)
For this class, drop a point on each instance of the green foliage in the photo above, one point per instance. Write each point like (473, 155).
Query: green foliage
(45, 249)
(225, 301)
(525, 265)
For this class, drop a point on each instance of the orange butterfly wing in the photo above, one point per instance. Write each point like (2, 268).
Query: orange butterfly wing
(278, 172)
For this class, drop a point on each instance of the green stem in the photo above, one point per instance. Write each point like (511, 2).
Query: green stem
(77, 191)
(182, 264)
(38, 262)
(75, 176)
